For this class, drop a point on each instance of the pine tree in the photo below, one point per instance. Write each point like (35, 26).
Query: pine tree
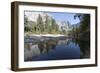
(54, 26)
(40, 24)
(47, 24)
(26, 28)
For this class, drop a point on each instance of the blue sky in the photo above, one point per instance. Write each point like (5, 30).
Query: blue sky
(60, 16)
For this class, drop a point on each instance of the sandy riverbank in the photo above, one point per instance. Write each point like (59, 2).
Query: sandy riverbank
(47, 35)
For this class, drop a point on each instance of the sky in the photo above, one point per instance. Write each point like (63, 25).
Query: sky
(61, 16)
(58, 16)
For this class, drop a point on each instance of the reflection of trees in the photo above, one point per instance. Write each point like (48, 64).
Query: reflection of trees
(83, 33)
(47, 45)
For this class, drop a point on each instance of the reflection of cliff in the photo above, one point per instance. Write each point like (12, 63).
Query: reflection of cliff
(64, 42)
(47, 45)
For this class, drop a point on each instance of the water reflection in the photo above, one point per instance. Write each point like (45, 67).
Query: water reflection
(84, 47)
(47, 45)
(47, 48)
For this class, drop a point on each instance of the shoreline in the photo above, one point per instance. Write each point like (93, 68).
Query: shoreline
(47, 35)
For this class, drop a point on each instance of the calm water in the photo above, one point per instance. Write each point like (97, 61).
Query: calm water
(47, 48)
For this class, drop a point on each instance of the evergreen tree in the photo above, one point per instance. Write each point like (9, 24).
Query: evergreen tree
(47, 24)
(84, 21)
(26, 28)
(40, 24)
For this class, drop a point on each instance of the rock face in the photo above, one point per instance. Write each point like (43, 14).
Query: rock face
(65, 26)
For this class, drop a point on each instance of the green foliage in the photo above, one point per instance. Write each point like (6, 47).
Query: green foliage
(40, 24)
(84, 21)
(47, 24)
(26, 28)
(84, 24)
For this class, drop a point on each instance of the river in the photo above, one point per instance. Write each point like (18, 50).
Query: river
(50, 48)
